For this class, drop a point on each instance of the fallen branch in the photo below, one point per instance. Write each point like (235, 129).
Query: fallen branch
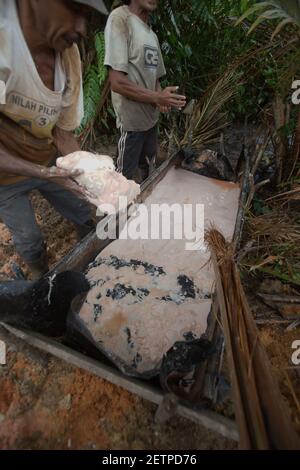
(286, 299)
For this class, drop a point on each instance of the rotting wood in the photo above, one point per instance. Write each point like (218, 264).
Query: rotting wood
(288, 306)
(286, 299)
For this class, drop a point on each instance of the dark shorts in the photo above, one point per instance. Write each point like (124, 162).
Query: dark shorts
(17, 213)
(134, 149)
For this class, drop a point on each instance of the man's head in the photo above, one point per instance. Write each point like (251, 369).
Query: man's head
(147, 5)
(63, 22)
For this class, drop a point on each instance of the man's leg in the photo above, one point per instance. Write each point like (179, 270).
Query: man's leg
(129, 152)
(71, 207)
(149, 152)
(17, 213)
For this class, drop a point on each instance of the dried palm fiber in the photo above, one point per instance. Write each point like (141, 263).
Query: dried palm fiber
(278, 227)
(261, 415)
(293, 195)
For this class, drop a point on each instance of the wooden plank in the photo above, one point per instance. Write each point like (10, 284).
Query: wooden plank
(210, 420)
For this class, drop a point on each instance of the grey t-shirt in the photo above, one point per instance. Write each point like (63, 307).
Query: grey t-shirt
(133, 48)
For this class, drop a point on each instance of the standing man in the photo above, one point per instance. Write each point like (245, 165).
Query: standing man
(40, 106)
(136, 66)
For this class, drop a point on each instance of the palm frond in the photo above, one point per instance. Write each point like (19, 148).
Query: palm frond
(287, 11)
(209, 115)
(208, 119)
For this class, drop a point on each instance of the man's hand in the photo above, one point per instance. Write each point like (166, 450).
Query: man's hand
(65, 179)
(165, 109)
(168, 98)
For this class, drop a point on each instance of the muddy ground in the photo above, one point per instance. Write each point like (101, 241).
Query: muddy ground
(47, 404)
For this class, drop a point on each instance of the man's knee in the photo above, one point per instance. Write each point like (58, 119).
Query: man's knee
(129, 172)
(69, 205)
(83, 212)
(29, 242)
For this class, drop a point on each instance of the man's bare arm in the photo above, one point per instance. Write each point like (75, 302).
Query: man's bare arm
(17, 166)
(120, 83)
(14, 165)
(65, 141)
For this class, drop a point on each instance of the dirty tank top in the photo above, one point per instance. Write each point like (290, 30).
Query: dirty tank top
(29, 111)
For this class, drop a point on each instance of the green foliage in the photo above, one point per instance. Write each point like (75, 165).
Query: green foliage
(260, 207)
(94, 79)
(199, 44)
(286, 11)
(281, 18)
(100, 51)
(200, 41)
(286, 275)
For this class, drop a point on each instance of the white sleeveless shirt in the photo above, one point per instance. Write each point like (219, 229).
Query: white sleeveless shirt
(24, 97)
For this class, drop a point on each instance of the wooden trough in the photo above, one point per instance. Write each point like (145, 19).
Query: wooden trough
(205, 393)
